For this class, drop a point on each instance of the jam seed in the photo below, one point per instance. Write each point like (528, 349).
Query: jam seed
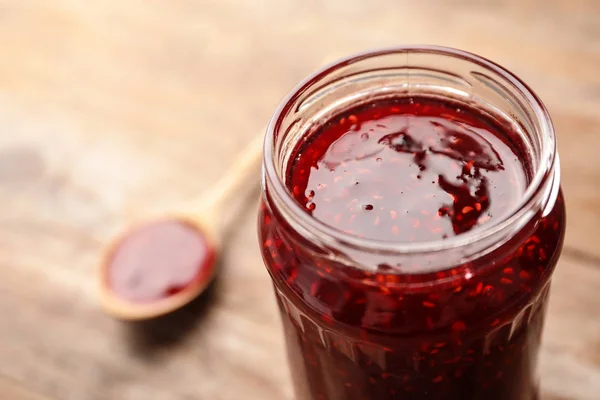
(385, 289)
(393, 214)
(438, 379)
(377, 221)
(453, 360)
(353, 119)
(477, 290)
(508, 271)
(524, 274)
(458, 326)
(395, 230)
(292, 278)
(428, 304)
(506, 281)
(416, 223)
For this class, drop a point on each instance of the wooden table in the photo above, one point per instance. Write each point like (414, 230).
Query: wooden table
(111, 108)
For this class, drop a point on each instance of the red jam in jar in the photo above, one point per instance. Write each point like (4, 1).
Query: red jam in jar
(411, 234)
(407, 169)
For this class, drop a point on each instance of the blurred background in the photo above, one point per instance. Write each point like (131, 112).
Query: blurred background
(110, 109)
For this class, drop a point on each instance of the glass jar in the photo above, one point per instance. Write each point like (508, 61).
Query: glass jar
(464, 321)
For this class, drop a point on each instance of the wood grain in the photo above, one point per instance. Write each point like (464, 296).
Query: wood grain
(111, 109)
(13, 391)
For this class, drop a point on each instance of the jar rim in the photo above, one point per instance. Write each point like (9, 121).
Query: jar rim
(523, 210)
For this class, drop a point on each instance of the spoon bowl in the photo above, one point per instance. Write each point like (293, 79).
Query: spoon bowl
(186, 248)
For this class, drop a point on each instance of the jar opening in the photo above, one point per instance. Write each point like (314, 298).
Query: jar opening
(426, 71)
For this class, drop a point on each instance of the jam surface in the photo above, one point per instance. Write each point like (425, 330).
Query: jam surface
(407, 170)
(411, 170)
(158, 260)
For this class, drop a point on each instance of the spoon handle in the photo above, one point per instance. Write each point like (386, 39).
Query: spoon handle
(236, 182)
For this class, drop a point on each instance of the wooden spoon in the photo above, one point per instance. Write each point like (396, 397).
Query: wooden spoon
(162, 264)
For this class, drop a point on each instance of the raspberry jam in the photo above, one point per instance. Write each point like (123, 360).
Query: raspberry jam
(410, 239)
(158, 260)
(407, 170)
